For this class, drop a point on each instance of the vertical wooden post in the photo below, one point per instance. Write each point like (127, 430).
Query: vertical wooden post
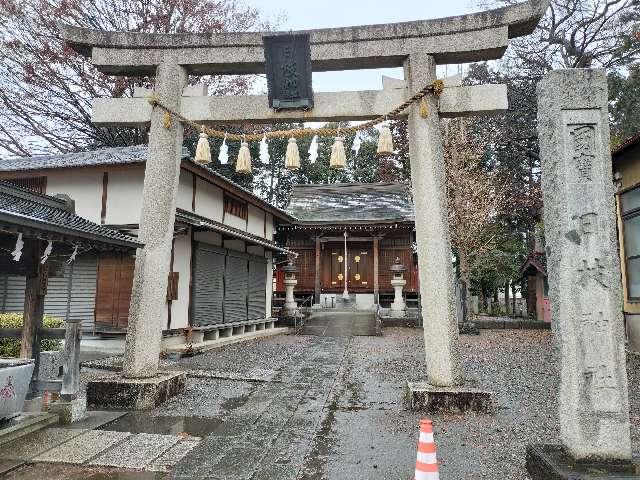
(34, 293)
(33, 298)
(376, 268)
(316, 296)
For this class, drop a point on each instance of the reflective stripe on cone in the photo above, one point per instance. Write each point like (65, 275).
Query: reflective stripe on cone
(426, 461)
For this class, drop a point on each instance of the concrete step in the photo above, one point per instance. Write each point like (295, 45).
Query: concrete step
(24, 424)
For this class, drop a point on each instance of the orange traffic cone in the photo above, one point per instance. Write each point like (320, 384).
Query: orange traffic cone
(426, 463)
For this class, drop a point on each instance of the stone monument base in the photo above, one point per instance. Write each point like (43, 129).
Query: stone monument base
(120, 393)
(424, 397)
(69, 411)
(551, 462)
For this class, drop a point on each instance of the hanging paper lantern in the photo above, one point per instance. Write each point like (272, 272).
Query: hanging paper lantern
(338, 158)
(243, 165)
(292, 158)
(203, 151)
(385, 142)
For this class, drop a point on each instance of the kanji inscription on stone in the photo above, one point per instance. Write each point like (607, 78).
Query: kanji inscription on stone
(288, 68)
(584, 150)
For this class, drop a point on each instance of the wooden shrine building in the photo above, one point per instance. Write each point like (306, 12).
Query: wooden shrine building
(361, 226)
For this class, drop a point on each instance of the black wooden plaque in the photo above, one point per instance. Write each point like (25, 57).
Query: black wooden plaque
(288, 67)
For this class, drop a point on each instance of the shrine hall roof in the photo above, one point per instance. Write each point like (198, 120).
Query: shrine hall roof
(341, 203)
(49, 217)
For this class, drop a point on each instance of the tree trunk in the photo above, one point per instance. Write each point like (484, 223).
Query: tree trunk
(466, 284)
(513, 298)
(484, 297)
(496, 303)
(506, 298)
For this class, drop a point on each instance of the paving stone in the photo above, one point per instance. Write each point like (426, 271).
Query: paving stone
(36, 443)
(136, 451)
(7, 466)
(172, 456)
(96, 418)
(83, 448)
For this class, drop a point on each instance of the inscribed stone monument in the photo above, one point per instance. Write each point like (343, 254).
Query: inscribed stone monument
(584, 270)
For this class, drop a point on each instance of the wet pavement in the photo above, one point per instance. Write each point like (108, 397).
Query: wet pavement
(340, 324)
(330, 408)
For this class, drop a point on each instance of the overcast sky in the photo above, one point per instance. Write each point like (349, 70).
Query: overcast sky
(305, 14)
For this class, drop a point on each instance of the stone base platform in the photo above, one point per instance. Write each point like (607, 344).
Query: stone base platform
(69, 411)
(119, 393)
(551, 462)
(424, 397)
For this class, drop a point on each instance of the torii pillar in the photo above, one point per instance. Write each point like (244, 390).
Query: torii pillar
(417, 46)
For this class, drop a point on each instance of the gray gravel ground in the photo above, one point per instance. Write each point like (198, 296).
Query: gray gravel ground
(331, 408)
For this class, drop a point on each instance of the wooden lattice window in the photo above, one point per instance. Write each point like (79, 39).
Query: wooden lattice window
(35, 184)
(235, 207)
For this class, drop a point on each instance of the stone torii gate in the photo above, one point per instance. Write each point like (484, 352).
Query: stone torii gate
(417, 46)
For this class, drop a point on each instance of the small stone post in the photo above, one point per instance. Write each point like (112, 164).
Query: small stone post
(148, 311)
(290, 305)
(398, 307)
(584, 270)
(437, 288)
(69, 407)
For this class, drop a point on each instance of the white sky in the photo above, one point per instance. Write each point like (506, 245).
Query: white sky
(305, 14)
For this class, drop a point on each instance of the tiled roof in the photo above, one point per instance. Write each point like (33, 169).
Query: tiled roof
(634, 139)
(102, 156)
(111, 156)
(207, 224)
(26, 210)
(536, 261)
(351, 203)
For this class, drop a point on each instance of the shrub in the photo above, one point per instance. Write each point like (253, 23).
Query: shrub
(10, 347)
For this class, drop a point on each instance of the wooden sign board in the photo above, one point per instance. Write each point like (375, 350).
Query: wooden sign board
(288, 68)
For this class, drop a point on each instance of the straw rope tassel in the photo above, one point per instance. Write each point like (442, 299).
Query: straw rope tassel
(424, 108)
(203, 150)
(426, 462)
(292, 158)
(243, 165)
(385, 142)
(338, 158)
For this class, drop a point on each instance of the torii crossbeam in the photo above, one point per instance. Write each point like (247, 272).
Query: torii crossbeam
(417, 46)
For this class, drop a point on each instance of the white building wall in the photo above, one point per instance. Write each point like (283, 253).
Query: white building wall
(212, 238)
(269, 226)
(209, 200)
(236, 222)
(124, 196)
(255, 220)
(181, 264)
(83, 186)
(237, 245)
(185, 191)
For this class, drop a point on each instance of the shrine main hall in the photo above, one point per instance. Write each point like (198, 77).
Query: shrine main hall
(363, 227)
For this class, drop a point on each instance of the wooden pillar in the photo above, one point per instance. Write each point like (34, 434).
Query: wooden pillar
(316, 296)
(35, 290)
(376, 269)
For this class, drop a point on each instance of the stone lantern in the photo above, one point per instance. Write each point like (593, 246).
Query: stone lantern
(290, 281)
(398, 307)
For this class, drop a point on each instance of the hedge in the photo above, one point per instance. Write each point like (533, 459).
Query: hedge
(10, 347)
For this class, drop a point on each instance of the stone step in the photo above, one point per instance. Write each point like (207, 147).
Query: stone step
(25, 424)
